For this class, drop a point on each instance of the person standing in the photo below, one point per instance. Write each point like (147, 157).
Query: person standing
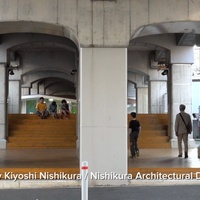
(134, 130)
(183, 127)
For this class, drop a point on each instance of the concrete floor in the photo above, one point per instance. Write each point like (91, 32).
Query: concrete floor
(38, 158)
(66, 158)
(167, 158)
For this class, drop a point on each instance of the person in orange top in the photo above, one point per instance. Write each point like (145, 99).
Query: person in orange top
(41, 109)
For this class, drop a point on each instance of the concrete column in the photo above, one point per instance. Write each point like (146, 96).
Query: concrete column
(142, 100)
(181, 93)
(3, 105)
(103, 114)
(157, 91)
(23, 107)
(14, 104)
(34, 89)
(41, 89)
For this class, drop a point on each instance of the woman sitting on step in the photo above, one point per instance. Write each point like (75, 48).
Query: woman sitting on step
(64, 109)
(53, 109)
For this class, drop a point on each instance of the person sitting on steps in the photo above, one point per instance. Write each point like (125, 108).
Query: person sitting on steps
(64, 110)
(53, 109)
(41, 109)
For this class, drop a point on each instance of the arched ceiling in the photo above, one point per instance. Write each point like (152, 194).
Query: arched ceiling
(48, 61)
(186, 33)
(38, 28)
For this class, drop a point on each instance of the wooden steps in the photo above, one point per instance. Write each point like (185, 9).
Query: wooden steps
(29, 131)
(154, 131)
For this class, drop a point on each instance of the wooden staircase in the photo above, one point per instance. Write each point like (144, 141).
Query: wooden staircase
(154, 131)
(29, 131)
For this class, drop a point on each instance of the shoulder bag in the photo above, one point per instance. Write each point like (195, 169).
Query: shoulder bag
(188, 127)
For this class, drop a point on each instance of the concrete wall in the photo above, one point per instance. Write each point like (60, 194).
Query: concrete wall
(142, 100)
(100, 23)
(181, 93)
(157, 91)
(195, 97)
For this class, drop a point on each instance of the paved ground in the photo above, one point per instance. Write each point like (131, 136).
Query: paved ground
(189, 192)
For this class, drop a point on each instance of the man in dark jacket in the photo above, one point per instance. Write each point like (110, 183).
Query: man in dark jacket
(134, 127)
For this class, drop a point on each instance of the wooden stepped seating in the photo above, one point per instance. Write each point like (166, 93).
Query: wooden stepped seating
(154, 131)
(29, 131)
(25, 131)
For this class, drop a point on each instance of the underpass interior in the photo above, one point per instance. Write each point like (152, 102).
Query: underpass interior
(48, 65)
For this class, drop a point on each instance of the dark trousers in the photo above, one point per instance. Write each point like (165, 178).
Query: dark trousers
(133, 143)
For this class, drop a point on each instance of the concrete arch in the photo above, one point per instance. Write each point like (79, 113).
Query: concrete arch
(64, 86)
(167, 27)
(136, 71)
(42, 73)
(58, 81)
(166, 35)
(44, 44)
(38, 27)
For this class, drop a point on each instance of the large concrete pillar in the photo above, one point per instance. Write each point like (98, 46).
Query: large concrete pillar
(3, 105)
(103, 114)
(14, 92)
(181, 93)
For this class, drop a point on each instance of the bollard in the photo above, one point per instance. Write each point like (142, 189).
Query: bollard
(84, 180)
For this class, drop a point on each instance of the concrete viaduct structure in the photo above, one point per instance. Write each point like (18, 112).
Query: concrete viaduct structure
(113, 46)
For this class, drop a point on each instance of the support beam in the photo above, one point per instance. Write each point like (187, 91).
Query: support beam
(3, 106)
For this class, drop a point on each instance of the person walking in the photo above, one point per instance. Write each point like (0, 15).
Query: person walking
(134, 130)
(183, 127)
